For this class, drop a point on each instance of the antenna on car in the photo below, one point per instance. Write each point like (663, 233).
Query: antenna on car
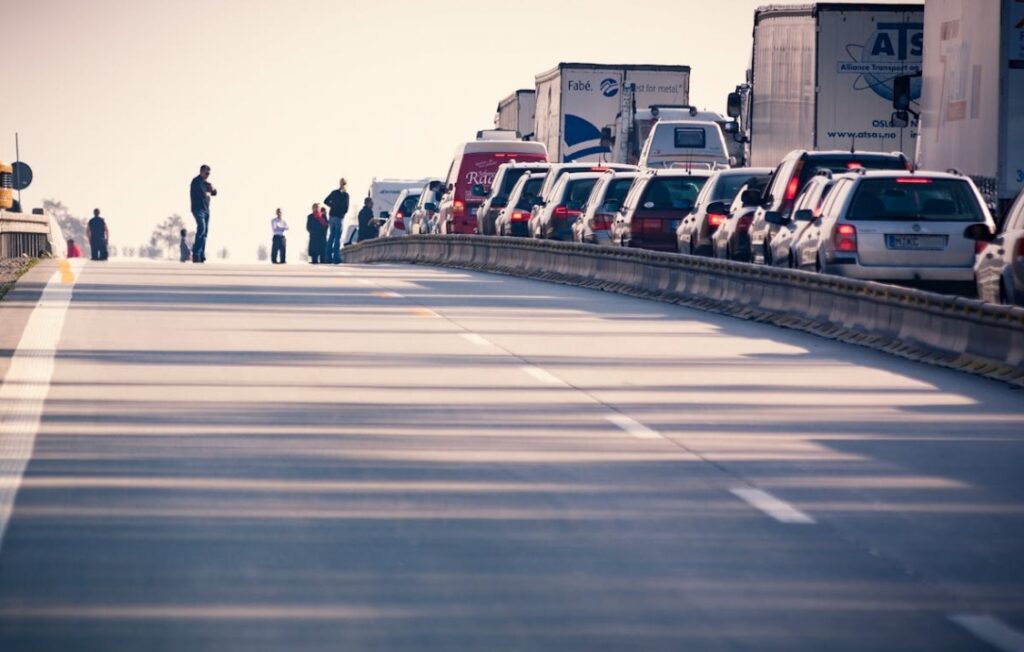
(853, 144)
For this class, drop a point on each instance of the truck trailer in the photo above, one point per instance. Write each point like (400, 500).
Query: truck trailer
(516, 113)
(576, 101)
(822, 78)
(972, 110)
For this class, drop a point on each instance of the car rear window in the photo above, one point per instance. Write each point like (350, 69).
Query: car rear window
(915, 199)
(617, 190)
(511, 176)
(690, 138)
(409, 204)
(728, 186)
(840, 164)
(530, 190)
(578, 191)
(672, 193)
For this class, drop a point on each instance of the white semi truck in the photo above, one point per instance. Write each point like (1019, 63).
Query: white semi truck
(972, 110)
(516, 113)
(822, 77)
(576, 101)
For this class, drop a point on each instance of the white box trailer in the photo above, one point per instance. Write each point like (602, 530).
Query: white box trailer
(972, 111)
(575, 101)
(822, 77)
(516, 113)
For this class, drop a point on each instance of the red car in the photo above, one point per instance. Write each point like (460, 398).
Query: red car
(656, 204)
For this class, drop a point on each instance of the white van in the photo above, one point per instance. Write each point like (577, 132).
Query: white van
(685, 144)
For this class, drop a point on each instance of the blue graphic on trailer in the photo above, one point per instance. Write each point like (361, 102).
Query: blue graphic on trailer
(580, 133)
(893, 49)
(610, 87)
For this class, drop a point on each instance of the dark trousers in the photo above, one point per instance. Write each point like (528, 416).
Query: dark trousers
(278, 249)
(202, 228)
(99, 248)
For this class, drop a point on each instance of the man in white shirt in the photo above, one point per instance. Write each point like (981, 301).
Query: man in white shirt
(279, 226)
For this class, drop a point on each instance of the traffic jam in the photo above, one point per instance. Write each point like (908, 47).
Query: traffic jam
(870, 177)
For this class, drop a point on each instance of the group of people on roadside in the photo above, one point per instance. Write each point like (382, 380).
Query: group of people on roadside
(328, 227)
(99, 239)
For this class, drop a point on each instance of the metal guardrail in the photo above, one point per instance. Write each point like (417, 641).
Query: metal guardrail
(25, 234)
(966, 334)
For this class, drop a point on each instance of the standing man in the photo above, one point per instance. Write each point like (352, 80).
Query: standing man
(98, 236)
(337, 201)
(200, 192)
(278, 248)
(367, 225)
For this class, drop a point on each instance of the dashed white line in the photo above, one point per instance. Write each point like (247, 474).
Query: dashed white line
(778, 509)
(633, 427)
(27, 384)
(383, 294)
(991, 630)
(542, 375)
(473, 338)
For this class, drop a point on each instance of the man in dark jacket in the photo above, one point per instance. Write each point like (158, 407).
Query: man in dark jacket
(368, 229)
(99, 235)
(337, 201)
(199, 193)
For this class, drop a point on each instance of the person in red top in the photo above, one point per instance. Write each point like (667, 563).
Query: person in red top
(74, 251)
(316, 224)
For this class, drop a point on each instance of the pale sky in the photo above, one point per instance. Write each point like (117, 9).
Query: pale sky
(118, 102)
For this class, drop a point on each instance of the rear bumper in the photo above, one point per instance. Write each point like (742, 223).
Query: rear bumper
(872, 273)
(663, 243)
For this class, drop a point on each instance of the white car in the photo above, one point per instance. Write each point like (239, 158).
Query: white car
(896, 226)
(396, 219)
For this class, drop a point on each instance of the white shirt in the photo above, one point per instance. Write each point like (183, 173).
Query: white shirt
(279, 225)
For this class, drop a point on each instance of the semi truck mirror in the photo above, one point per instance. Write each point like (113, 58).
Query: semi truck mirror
(901, 93)
(734, 105)
(901, 119)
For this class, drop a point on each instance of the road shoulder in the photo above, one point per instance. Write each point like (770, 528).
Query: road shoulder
(17, 306)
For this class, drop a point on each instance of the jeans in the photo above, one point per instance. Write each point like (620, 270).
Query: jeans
(278, 249)
(202, 228)
(334, 241)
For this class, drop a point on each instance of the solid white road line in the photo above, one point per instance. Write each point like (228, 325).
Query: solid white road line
(778, 509)
(473, 338)
(542, 375)
(991, 630)
(27, 384)
(635, 428)
(385, 294)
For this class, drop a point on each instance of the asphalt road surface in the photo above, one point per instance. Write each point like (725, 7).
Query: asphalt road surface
(406, 458)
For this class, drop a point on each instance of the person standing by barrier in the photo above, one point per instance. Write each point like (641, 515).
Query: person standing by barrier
(337, 201)
(316, 224)
(99, 236)
(278, 248)
(200, 192)
(367, 225)
(186, 251)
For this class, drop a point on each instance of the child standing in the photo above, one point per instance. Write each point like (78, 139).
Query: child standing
(186, 251)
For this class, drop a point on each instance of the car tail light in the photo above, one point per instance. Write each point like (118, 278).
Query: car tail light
(520, 216)
(913, 180)
(459, 208)
(399, 221)
(715, 220)
(743, 224)
(854, 165)
(600, 223)
(563, 213)
(1018, 251)
(979, 246)
(846, 238)
(793, 187)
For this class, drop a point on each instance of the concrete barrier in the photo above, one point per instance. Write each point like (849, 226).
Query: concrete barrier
(965, 334)
(24, 234)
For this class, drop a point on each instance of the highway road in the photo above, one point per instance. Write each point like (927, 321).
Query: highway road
(407, 458)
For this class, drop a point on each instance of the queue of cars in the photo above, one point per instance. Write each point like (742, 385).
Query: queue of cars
(867, 215)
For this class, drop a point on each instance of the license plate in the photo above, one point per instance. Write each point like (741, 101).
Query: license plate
(917, 242)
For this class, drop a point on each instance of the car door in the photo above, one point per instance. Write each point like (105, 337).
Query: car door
(818, 232)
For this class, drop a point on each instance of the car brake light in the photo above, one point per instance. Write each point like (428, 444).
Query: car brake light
(854, 165)
(600, 223)
(979, 246)
(1018, 251)
(792, 188)
(399, 215)
(743, 224)
(846, 238)
(562, 212)
(520, 216)
(912, 180)
(715, 220)
(459, 208)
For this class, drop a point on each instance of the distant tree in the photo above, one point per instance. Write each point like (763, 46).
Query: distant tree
(112, 251)
(262, 253)
(167, 234)
(71, 226)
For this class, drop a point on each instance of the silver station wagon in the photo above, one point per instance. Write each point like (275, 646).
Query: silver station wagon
(897, 226)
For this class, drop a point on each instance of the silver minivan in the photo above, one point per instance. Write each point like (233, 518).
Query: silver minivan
(897, 226)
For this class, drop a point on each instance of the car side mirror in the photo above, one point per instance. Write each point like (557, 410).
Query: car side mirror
(479, 190)
(385, 214)
(607, 139)
(804, 215)
(979, 233)
(774, 217)
(499, 202)
(751, 198)
(430, 206)
(718, 207)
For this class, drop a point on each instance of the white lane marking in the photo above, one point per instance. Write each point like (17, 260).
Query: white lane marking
(473, 338)
(387, 295)
(633, 427)
(778, 509)
(991, 630)
(542, 375)
(27, 384)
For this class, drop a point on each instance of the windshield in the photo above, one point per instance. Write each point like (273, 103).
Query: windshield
(529, 195)
(915, 199)
(617, 190)
(672, 193)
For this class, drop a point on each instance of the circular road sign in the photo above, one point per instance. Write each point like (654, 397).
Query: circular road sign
(22, 175)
